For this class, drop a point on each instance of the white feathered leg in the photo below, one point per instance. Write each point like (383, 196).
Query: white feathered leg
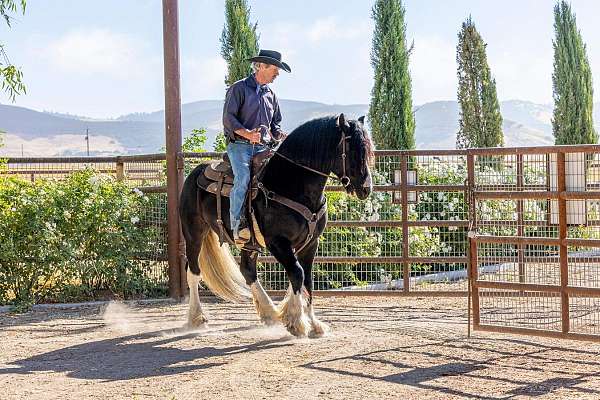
(264, 305)
(318, 328)
(291, 313)
(196, 318)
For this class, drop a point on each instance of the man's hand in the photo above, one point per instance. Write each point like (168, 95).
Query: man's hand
(252, 135)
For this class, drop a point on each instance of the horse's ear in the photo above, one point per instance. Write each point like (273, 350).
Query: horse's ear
(341, 122)
(361, 120)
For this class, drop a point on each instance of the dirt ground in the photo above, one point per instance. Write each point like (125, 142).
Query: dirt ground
(409, 348)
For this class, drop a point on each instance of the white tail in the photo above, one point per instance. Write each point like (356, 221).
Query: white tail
(220, 272)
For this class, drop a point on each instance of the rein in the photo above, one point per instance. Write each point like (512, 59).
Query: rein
(312, 218)
(344, 180)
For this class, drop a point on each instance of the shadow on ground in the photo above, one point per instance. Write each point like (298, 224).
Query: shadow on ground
(135, 356)
(457, 358)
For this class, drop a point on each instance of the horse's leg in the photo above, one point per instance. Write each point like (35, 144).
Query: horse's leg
(291, 308)
(264, 305)
(306, 257)
(193, 232)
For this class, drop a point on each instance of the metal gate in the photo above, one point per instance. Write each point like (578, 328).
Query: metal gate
(534, 240)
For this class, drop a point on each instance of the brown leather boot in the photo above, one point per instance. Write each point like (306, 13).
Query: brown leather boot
(242, 234)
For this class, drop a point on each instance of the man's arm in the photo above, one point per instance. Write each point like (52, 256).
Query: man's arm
(232, 125)
(276, 131)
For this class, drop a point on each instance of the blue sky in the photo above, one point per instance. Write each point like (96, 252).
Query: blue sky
(104, 58)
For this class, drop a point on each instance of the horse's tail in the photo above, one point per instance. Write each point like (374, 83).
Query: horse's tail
(220, 272)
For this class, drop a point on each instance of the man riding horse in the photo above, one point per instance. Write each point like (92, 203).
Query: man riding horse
(251, 118)
(289, 208)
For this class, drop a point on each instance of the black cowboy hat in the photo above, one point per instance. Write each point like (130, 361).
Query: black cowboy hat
(271, 57)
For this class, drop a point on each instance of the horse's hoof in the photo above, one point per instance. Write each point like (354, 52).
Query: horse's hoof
(269, 321)
(268, 314)
(199, 322)
(299, 327)
(319, 329)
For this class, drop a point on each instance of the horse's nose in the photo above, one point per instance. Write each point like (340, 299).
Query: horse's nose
(368, 182)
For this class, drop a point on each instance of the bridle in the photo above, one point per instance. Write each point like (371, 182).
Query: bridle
(312, 217)
(344, 179)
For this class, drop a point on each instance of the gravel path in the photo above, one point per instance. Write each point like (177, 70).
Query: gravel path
(410, 348)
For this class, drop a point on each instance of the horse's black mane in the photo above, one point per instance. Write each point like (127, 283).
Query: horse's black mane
(313, 143)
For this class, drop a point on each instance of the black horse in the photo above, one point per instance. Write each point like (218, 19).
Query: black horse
(297, 172)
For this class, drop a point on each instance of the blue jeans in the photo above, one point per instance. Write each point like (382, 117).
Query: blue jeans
(240, 154)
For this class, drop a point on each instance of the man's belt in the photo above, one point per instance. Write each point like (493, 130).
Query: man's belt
(239, 139)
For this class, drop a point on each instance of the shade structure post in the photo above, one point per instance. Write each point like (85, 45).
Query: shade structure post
(174, 156)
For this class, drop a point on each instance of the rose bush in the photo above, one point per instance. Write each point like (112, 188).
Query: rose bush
(72, 238)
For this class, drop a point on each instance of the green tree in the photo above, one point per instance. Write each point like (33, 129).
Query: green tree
(3, 161)
(390, 112)
(480, 123)
(11, 78)
(194, 143)
(220, 142)
(571, 82)
(239, 40)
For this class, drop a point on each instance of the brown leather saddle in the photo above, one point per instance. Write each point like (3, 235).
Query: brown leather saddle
(218, 175)
(218, 180)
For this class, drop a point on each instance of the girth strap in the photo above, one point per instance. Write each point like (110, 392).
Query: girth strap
(310, 217)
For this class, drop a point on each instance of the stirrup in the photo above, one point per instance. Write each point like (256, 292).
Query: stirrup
(242, 236)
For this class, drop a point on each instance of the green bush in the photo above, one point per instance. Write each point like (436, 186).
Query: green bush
(68, 239)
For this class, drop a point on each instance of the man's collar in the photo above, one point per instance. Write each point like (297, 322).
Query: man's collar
(253, 83)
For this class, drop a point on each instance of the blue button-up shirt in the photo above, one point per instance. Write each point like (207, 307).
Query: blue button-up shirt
(250, 105)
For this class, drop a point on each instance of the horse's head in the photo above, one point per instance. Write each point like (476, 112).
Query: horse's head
(356, 150)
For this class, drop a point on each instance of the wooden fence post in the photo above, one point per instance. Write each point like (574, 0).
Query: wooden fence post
(173, 142)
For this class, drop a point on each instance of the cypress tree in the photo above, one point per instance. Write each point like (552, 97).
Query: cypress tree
(571, 82)
(390, 112)
(239, 40)
(480, 123)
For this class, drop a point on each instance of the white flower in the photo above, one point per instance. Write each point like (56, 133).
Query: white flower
(13, 209)
(427, 216)
(67, 214)
(138, 192)
(135, 220)
(93, 180)
(452, 228)
(374, 217)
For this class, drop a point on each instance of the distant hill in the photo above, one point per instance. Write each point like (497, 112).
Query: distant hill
(45, 133)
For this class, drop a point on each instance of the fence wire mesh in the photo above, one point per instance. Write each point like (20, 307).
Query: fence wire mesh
(525, 265)
(363, 245)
